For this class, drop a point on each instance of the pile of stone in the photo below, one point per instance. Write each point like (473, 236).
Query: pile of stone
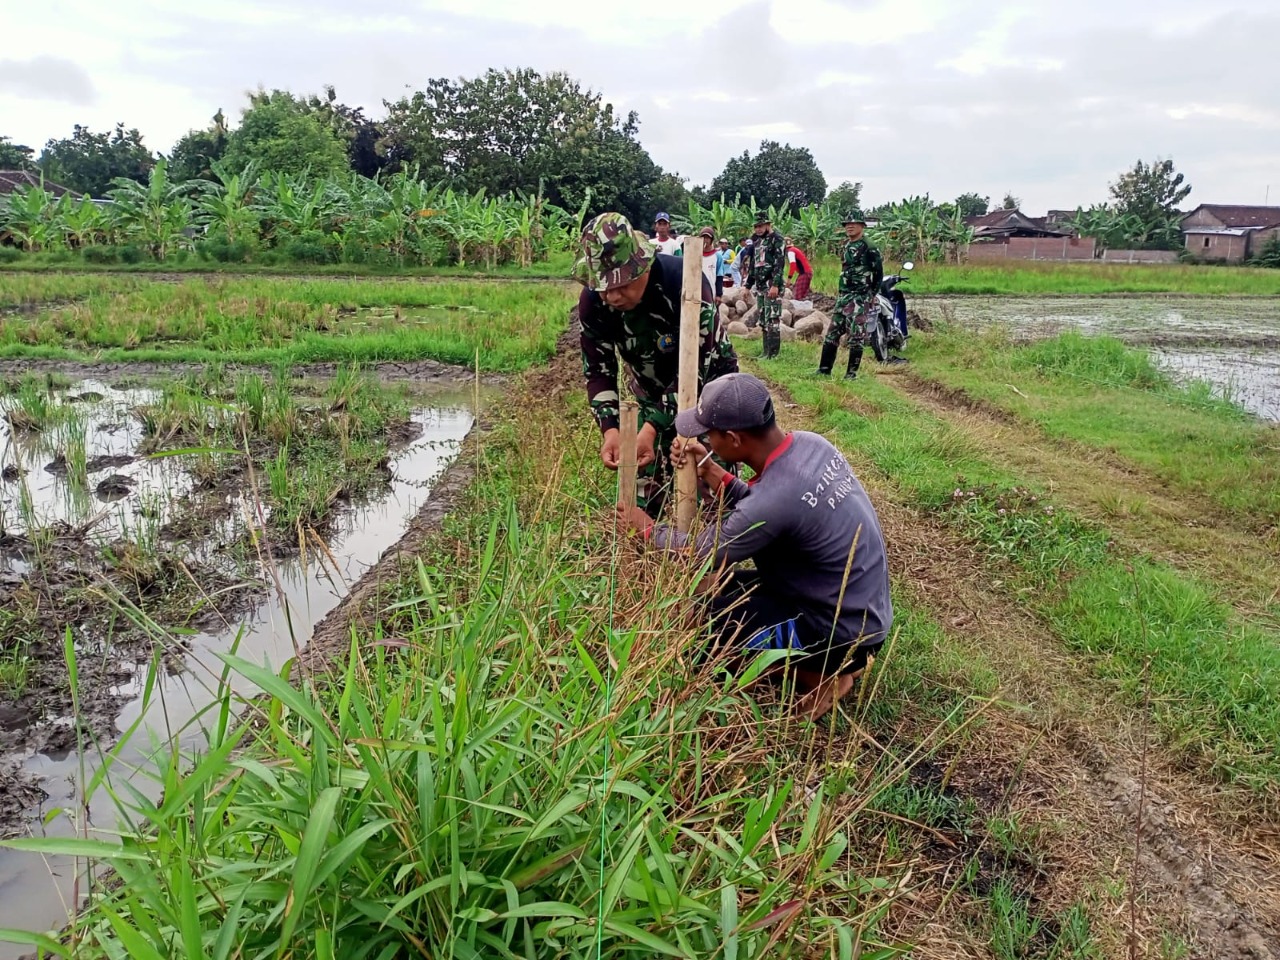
(740, 314)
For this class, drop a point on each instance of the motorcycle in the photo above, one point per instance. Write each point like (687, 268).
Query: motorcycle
(889, 332)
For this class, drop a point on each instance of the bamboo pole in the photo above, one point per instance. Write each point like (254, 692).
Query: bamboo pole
(628, 413)
(690, 312)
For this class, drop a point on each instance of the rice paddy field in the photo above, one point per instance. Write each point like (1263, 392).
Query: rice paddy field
(315, 640)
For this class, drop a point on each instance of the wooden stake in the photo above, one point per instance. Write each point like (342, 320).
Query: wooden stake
(690, 312)
(629, 414)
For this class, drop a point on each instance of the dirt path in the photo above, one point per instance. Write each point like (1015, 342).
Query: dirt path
(1066, 760)
(1139, 510)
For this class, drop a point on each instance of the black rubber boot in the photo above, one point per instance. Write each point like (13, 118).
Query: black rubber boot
(828, 358)
(855, 361)
(772, 344)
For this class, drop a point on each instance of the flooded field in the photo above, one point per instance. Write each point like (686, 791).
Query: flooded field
(1233, 344)
(153, 559)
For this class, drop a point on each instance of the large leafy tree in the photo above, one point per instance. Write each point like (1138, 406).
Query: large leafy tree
(1145, 200)
(778, 174)
(358, 132)
(15, 156)
(194, 155)
(517, 130)
(972, 205)
(282, 134)
(91, 162)
(845, 198)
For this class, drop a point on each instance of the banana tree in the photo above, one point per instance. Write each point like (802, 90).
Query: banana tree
(29, 217)
(83, 222)
(158, 214)
(226, 205)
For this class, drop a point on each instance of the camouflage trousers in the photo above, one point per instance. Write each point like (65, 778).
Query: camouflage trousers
(770, 310)
(853, 315)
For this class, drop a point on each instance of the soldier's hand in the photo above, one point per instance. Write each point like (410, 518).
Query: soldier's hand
(682, 450)
(611, 449)
(773, 293)
(645, 453)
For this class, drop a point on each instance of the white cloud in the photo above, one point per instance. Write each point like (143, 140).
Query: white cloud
(1050, 101)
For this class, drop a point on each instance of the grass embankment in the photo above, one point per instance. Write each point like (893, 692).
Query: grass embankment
(270, 321)
(28, 290)
(1035, 278)
(1214, 676)
(1097, 392)
(535, 772)
(556, 267)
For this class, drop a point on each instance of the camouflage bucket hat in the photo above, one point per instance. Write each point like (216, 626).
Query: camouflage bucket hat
(762, 216)
(853, 216)
(611, 253)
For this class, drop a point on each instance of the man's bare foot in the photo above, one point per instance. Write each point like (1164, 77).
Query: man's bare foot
(819, 701)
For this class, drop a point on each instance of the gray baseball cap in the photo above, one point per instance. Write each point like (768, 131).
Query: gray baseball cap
(736, 401)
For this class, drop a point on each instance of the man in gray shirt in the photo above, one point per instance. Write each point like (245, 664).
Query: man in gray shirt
(821, 583)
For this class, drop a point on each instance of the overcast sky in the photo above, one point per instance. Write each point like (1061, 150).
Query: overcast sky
(1048, 100)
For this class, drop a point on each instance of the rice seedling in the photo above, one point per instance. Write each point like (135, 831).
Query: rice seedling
(15, 664)
(75, 448)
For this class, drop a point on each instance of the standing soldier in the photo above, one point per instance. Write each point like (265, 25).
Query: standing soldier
(861, 271)
(768, 260)
(631, 304)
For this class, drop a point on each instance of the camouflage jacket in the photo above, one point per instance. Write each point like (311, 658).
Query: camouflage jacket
(768, 260)
(861, 269)
(648, 340)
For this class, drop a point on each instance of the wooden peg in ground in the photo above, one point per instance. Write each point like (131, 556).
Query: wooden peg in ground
(628, 414)
(687, 397)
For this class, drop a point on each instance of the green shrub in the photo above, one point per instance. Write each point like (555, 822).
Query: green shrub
(10, 254)
(132, 254)
(100, 254)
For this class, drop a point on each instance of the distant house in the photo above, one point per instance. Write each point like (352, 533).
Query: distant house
(1000, 226)
(11, 180)
(1229, 233)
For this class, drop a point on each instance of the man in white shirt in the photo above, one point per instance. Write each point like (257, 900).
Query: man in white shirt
(664, 239)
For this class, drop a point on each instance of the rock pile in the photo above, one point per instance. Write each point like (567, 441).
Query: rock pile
(740, 314)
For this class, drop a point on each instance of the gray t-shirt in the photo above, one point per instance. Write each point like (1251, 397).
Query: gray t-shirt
(799, 520)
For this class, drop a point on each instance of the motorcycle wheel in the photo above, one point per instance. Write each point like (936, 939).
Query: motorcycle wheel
(878, 345)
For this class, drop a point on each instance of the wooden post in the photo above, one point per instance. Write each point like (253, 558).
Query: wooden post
(628, 413)
(690, 312)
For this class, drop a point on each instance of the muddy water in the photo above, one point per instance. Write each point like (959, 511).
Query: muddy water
(35, 893)
(1234, 344)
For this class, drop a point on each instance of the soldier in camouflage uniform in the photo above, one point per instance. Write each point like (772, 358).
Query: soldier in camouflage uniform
(861, 271)
(768, 261)
(631, 304)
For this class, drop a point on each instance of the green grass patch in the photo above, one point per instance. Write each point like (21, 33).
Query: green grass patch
(272, 321)
(557, 266)
(1033, 278)
(1096, 391)
(1215, 681)
(26, 289)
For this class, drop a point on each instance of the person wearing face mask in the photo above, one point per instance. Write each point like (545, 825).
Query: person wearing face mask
(630, 307)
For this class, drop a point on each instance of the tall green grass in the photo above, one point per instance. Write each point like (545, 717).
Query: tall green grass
(298, 321)
(24, 289)
(519, 764)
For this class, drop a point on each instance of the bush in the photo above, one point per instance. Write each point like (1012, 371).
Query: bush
(132, 254)
(1269, 255)
(10, 254)
(219, 249)
(100, 254)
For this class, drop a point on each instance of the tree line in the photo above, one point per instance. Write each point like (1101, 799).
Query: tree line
(518, 133)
